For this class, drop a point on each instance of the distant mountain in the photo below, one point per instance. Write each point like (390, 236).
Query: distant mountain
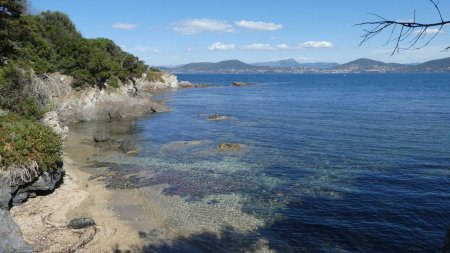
(369, 65)
(231, 66)
(292, 63)
(362, 65)
(440, 65)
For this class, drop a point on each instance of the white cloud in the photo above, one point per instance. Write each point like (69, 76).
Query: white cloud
(283, 46)
(124, 26)
(259, 25)
(316, 44)
(221, 47)
(430, 31)
(143, 49)
(193, 26)
(190, 49)
(259, 47)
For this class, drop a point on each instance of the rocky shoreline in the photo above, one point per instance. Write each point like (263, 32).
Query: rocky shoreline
(70, 105)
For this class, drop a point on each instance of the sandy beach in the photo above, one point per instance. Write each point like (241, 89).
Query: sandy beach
(44, 219)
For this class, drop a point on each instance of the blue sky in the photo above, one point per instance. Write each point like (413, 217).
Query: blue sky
(170, 32)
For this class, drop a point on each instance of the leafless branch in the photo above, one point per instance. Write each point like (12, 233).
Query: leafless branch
(405, 34)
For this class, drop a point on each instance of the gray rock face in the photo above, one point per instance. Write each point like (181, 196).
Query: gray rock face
(102, 137)
(130, 147)
(5, 192)
(45, 182)
(52, 120)
(11, 238)
(80, 223)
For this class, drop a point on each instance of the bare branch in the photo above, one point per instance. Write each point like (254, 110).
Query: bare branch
(404, 35)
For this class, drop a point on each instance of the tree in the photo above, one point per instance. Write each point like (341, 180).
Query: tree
(10, 13)
(406, 35)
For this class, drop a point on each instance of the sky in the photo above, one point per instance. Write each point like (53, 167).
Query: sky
(172, 32)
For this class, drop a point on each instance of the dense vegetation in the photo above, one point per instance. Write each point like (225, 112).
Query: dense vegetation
(24, 141)
(44, 43)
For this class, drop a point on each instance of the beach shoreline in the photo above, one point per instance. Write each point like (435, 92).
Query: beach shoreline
(44, 219)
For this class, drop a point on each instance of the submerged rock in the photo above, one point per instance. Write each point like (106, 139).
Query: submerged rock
(102, 137)
(80, 223)
(239, 84)
(230, 147)
(217, 117)
(130, 147)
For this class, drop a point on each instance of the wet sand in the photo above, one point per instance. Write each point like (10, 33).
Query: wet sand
(119, 215)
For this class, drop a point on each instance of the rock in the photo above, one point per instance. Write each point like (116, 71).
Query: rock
(102, 137)
(230, 147)
(52, 120)
(216, 117)
(5, 192)
(44, 182)
(239, 84)
(130, 147)
(80, 223)
(11, 238)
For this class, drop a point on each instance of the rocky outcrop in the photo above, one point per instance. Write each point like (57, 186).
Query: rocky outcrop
(129, 100)
(43, 182)
(165, 81)
(239, 84)
(217, 117)
(11, 238)
(230, 147)
(52, 120)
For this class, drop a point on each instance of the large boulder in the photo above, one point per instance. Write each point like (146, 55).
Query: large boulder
(240, 84)
(217, 117)
(102, 137)
(11, 238)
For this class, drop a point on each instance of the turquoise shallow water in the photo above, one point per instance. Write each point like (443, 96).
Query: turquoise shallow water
(332, 163)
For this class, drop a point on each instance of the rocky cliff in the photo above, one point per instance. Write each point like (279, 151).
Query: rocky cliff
(128, 100)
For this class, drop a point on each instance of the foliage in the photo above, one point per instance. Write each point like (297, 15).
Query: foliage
(25, 141)
(155, 75)
(49, 42)
(15, 95)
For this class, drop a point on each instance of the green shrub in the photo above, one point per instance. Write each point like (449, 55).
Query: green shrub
(15, 93)
(155, 76)
(24, 141)
(113, 81)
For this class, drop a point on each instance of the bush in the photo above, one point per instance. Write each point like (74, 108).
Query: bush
(24, 142)
(15, 93)
(155, 76)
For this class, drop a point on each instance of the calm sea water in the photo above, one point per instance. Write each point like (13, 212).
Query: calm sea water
(332, 163)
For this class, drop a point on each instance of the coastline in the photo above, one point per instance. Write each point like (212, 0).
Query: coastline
(44, 219)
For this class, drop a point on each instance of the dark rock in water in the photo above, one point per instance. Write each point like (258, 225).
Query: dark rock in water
(11, 238)
(217, 117)
(80, 223)
(240, 84)
(130, 147)
(230, 147)
(5, 192)
(446, 248)
(102, 137)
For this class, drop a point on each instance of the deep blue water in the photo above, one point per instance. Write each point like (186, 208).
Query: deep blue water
(332, 163)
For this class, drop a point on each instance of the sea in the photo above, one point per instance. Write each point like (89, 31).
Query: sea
(328, 163)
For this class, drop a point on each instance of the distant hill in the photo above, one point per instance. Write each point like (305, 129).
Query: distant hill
(231, 66)
(362, 65)
(292, 63)
(440, 65)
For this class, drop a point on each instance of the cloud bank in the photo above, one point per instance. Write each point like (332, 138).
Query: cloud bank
(193, 26)
(124, 26)
(259, 25)
(221, 47)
